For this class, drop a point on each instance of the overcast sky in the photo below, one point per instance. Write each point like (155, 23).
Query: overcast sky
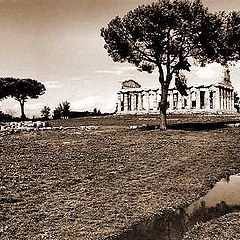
(58, 43)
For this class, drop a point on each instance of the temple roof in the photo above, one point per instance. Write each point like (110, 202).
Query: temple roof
(130, 84)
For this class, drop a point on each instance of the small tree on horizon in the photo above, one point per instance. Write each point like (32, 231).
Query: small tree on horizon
(165, 35)
(21, 90)
(57, 113)
(65, 109)
(96, 112)
(62, 110)
(45, 112)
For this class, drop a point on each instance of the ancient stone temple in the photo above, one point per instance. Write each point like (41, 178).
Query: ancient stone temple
(215, 98)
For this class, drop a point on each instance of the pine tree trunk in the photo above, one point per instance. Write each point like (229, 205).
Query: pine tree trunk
(23, 116)
(163, 107)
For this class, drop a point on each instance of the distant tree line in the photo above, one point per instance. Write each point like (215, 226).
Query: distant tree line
(95, 112)
(62, 111)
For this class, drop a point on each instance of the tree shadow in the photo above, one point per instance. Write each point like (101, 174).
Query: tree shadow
(190, 126)
(198, 126)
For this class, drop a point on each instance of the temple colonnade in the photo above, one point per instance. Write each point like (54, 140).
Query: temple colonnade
(213, 98)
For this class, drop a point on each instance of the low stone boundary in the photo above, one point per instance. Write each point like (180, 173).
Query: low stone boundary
(28, 126)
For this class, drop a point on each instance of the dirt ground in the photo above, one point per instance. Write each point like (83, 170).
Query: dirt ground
(224, 228)
(77, 184)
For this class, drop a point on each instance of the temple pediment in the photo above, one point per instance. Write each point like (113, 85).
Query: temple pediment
(130, 84)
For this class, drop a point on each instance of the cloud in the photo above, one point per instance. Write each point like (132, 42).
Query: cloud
(76, 78)
(10, 106)
(118, 70)
(127, 68)
(33, 106)
(106, 104)
(52, 84)
(210, 72)
(114, 72)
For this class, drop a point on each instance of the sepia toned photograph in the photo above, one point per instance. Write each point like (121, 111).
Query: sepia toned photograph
(119, 119)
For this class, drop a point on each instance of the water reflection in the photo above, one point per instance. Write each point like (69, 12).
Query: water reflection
(223, 198)
(227, 190)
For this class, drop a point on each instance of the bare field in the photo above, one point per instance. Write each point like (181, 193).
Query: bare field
(91, 184)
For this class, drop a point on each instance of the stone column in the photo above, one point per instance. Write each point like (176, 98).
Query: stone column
(227, 99)
(125, 102)
(189, 96)
(144, 100)
(216, 99)
(136, 101)
(192, 98)
(140, 101)
(133, 101)
(207, 99)
(155, 101)
(158, 99)
(223, 98)
(232, 100)
(220, 99)
(171, 100)
(179, 103)
(213, 100)
(198, 99)
(119, 102)
(147, 100)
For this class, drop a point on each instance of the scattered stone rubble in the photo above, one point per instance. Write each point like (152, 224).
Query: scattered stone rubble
(28, 126)
(233, 125)
(144, 127)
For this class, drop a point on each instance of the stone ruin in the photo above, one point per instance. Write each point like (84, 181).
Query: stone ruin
(24, 126)
(28, 126)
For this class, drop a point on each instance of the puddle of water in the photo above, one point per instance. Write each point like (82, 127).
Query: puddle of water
(223, 198)
(226, 191)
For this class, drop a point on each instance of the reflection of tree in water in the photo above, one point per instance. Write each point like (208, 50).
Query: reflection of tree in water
(205, 213)
(227, 179)
(172, 225)
(184, 219)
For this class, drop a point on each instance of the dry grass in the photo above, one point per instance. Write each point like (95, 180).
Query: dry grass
(87, 185)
